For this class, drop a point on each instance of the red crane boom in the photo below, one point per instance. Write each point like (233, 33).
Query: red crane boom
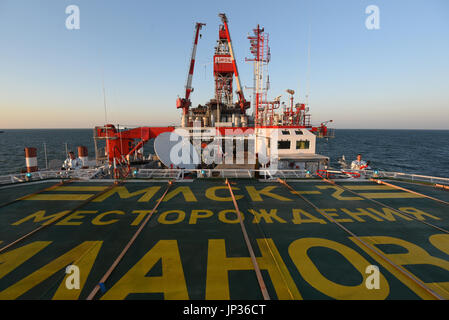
(185, 103)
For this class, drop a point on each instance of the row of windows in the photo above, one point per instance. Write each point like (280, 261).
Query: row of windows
(287, 132)
(301, 144)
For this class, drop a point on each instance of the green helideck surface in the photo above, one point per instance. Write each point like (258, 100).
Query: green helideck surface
(193, 246)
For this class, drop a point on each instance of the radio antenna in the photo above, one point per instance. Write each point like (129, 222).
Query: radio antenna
(308, 67)
(105, 110)
(104, 97)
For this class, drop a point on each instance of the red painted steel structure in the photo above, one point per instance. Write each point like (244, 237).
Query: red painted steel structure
(225, 67)
(121, 143)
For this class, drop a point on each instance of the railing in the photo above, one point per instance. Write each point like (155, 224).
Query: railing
(180, 174)
(220, 173)
(228, 173)
(330, 133)
(367, 174)
(82, 174)
(410, 177)
(159, 174)
(198, 173)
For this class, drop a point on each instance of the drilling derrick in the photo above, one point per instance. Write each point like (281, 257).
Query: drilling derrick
(223, 70)
(223, 109)
(242, 103)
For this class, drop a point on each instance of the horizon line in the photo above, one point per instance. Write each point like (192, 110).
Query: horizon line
(180, 127)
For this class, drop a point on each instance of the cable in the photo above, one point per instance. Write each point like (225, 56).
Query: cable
(408, 190)
(37, 192)
(59, 218)
(128, 245)
(262, 285)
(383, 205)
(374, 250)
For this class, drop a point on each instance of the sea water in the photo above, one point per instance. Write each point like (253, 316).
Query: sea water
(412, 151)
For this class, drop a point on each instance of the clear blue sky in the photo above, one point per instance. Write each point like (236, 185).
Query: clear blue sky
(395, 77)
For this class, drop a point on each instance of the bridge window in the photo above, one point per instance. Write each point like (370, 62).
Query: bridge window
(302, 144)
(284, 144)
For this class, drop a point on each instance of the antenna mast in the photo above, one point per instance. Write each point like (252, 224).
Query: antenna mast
(308, 68)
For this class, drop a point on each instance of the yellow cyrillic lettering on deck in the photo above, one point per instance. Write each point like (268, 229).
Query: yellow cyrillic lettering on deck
(83, 256)
(305, 192)
(211, 193)
(195, 215)
(39, 216)
(326, 211)
(388, 214)
(338, 191)
(417, 213)
(163, 217)
(298, 219)
(14, 258)
(80, 188)
(256, 194)
(186, 192)
(268, 217)
(78, 214)
(415, 256)
(219, 265)
(308, 270)
(60, 197)
(367, 187)
(97, 220)
(361, 212)
(172, 282)
(222, 216)
(390, 195)
(441, 242)
(123, 193)
(142, 214)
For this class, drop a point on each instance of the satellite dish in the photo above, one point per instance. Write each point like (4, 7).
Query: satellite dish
(176, 151)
